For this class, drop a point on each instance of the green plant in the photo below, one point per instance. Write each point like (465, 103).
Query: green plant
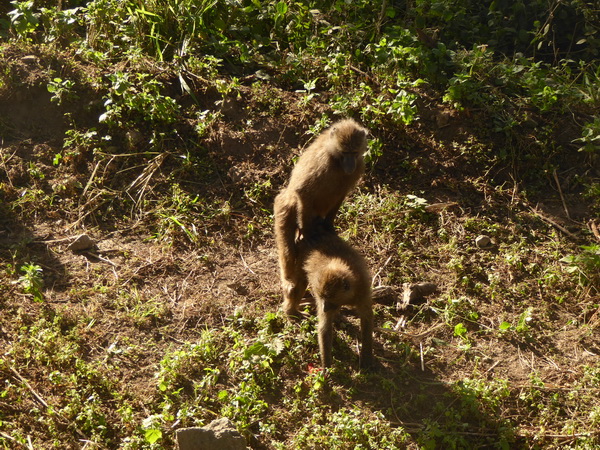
(32, 281)
(62, 90)
(137, 96)
(76, 143)
(590, 137)
(206, 119)
(350, 428)
(60, 24)
(23, 18)
(586, 265)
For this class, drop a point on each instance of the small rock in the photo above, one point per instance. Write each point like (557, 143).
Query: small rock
(262, 75)
(483, 241)
(220, 434)
(439, 207)
(442, 119)
(81, 243)
(29, 59)
(133, 139)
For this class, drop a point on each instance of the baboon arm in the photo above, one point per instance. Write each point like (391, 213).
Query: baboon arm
(326, 335)
(332, 213)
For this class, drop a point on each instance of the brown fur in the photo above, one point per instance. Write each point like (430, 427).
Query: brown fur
(322, 178)
(338, 276)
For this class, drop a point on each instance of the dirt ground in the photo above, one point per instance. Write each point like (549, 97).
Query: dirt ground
(121, 195)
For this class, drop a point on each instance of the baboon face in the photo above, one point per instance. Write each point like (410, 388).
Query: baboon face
(349, 162)
(336, 289)
(335, 286)
(352, 145)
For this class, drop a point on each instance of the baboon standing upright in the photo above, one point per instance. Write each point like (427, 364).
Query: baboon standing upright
(322, 178)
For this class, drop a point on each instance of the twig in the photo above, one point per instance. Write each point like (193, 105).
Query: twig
(493, 365)
(562, 197)
(41, 400)
(411, 335)
(422, 361)
(91, 179)
(97, 256)
(140, 184)
(9, 437)
(553, 223)
(52, 241)
(594, 229)
(380, 269)
(37, 396)
(361, 72)
(246, 265)
(4, 161)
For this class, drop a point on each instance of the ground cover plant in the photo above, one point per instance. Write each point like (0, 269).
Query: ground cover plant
(163, 131)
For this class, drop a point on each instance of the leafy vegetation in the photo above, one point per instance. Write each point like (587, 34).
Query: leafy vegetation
(164, 129)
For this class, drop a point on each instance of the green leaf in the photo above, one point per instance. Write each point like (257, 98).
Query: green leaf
(282, 8)
(152, 435)
(460, 330)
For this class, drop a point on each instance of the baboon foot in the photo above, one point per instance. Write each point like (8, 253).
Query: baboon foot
(291, 310)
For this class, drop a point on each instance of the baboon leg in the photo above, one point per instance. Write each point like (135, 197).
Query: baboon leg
(366, 327)
(325, 328)
(286, 230)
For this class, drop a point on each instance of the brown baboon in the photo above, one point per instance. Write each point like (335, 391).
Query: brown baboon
(338, 276)
(322, 178)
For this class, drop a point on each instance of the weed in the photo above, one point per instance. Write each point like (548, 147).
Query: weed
(349, 428)
(61, 90)
(23, 19)
(32, 281)
(586, 265)
(134, 97)
(590, 137)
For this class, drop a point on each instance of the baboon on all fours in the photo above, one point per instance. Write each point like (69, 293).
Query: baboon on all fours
(322, 178)
(338, 276)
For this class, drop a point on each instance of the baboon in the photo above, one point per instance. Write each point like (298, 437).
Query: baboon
(338, 276)
(322, 178)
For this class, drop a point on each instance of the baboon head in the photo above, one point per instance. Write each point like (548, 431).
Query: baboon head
(335, 285)
(351, 143)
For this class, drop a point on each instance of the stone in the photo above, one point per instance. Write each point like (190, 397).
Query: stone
(30, 59)
(220, 434)
(81, 243)
(483, 241)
